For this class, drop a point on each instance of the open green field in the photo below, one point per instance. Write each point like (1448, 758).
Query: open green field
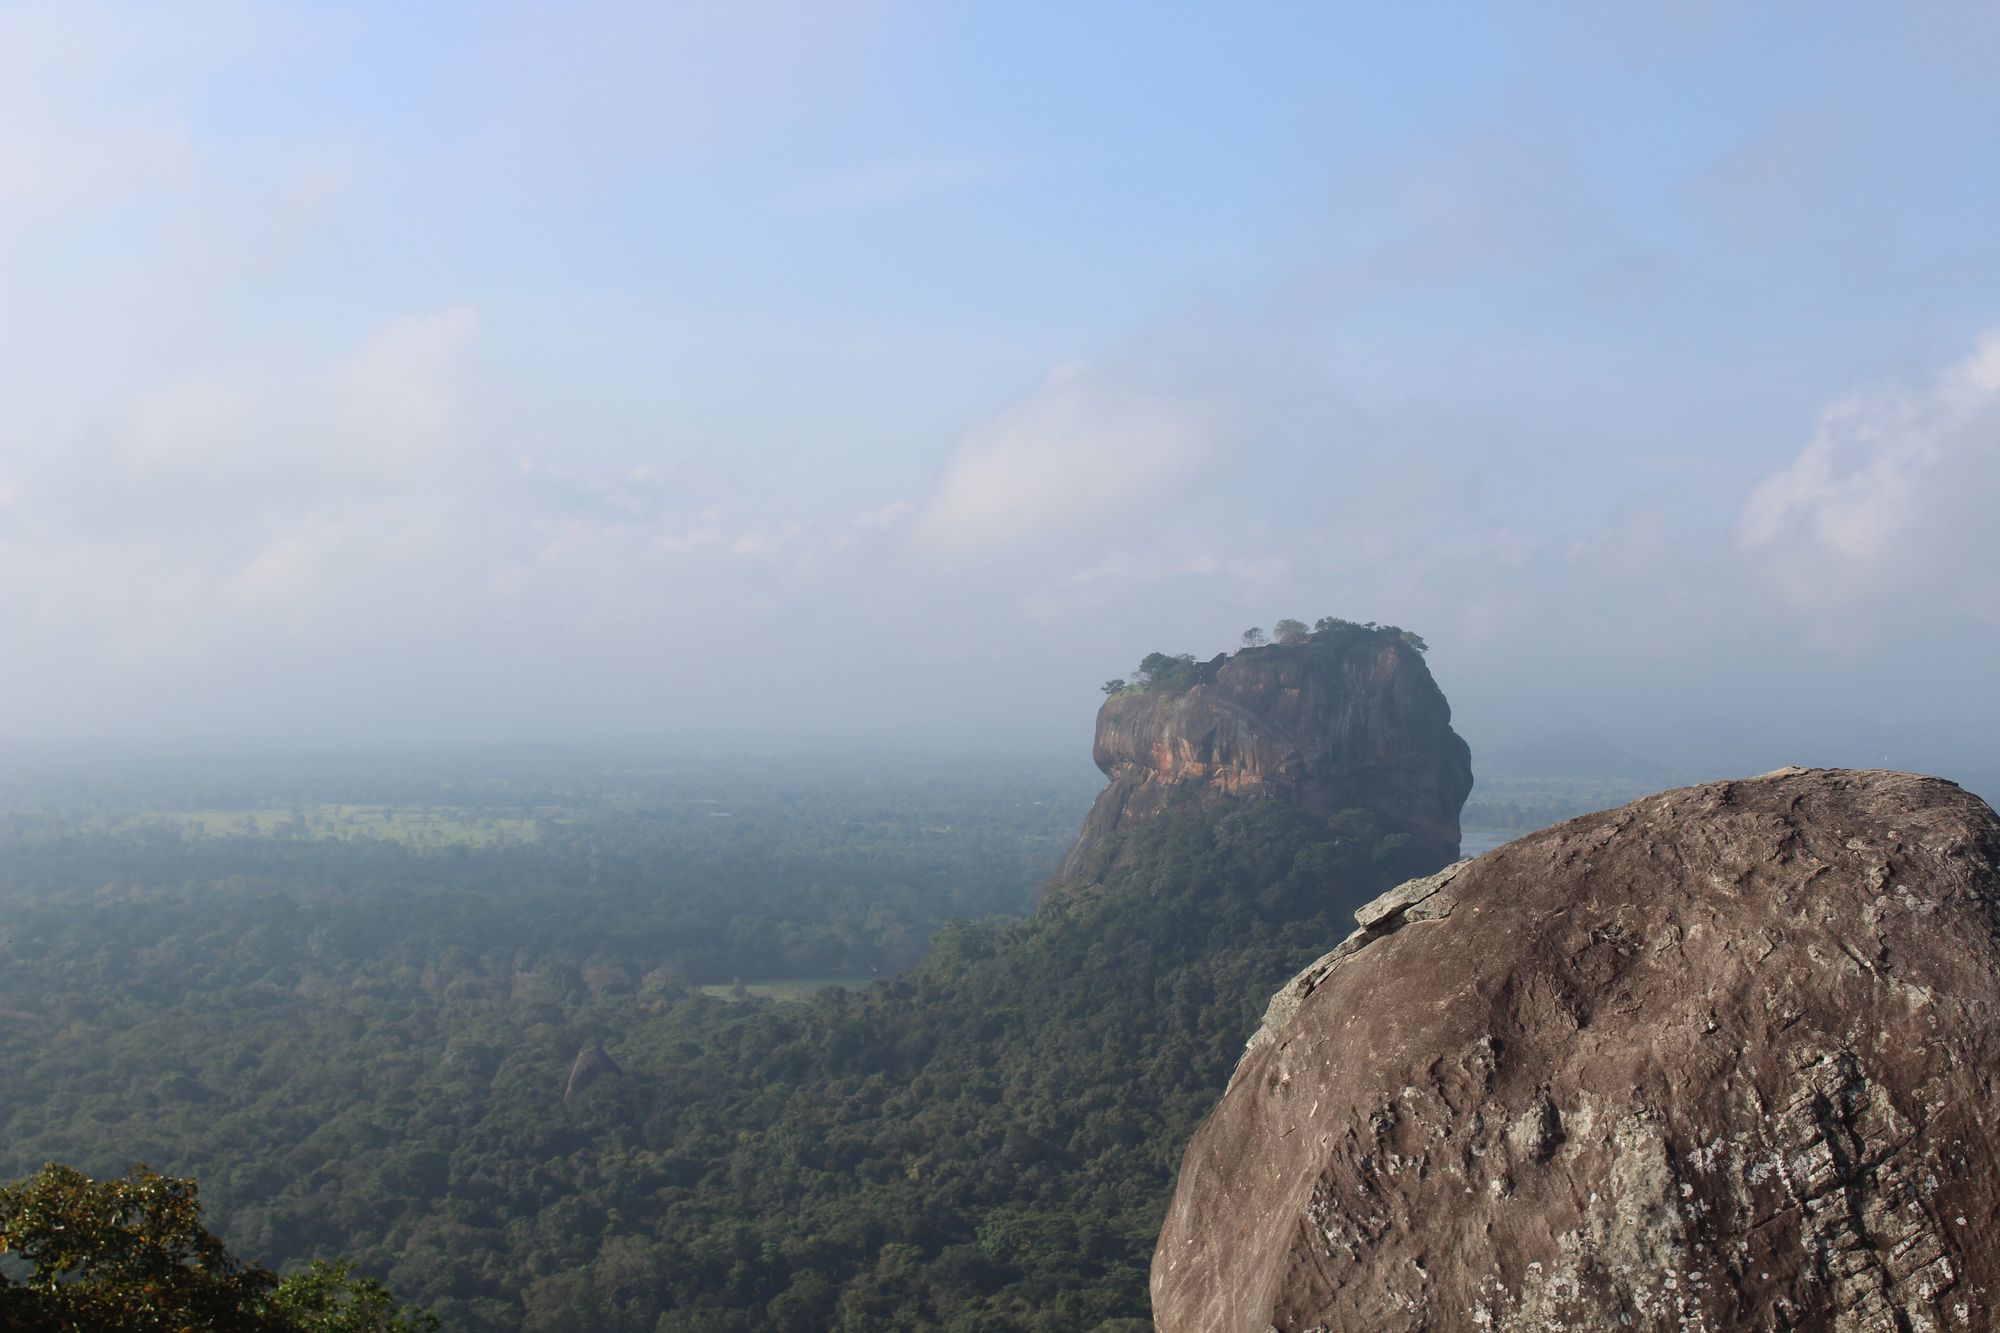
(787, 989)
(434, 826)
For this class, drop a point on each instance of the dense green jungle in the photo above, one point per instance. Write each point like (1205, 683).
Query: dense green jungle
(350, 1012)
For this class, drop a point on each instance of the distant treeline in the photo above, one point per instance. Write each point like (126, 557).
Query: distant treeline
(796, 878)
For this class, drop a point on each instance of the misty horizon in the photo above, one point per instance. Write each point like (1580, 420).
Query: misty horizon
(781, 378)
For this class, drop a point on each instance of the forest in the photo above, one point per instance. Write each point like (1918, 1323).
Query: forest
(358, 1043)
(702, 871)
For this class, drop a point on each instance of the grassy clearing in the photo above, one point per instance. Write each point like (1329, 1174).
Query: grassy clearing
(787, 989)
(432, 826)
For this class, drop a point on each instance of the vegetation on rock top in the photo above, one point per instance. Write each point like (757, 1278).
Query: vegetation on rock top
(1181, 671)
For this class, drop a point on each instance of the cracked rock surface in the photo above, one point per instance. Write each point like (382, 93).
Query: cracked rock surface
(1721, 1059)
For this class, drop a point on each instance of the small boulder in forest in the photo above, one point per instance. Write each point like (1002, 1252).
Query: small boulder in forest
(592, 1063)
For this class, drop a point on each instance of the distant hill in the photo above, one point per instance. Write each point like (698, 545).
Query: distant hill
(1572, 754)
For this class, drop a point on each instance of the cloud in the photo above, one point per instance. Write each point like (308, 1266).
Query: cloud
(96, 100)
(1081, 449)
(63, 145)
(1892, 498)
(276, 483)
(402, 395)
(280, 429)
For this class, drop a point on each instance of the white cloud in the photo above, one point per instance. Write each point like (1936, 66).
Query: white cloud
(272, 495)
(194, 419)
(96, 99)
(402, 395)
(1893, 497)
(1079, 450)
(354, 508)
(62, 145)
(287, 429)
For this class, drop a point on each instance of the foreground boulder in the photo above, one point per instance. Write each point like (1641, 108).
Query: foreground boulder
(1722, 1059)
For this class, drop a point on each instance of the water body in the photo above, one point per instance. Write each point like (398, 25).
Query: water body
(1478, 841)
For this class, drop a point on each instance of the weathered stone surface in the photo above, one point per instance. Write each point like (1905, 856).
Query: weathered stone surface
(1422, 899)
(1404, 898)
(1722, 1059)
(1351, 721)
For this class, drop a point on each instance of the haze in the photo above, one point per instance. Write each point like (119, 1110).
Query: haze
(894, 374)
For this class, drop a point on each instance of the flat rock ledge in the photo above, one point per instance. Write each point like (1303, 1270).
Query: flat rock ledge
(1425, 899)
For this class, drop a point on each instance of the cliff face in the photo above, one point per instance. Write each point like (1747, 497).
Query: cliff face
(1343, 721)
(1724, 1058)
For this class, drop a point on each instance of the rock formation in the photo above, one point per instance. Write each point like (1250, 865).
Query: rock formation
(1348, 719)
(592, 1063)
(1722, 1059)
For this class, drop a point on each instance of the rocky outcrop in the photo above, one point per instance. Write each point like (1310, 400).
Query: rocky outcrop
(1349, 719)
(1722, 1059)
(592, 1063)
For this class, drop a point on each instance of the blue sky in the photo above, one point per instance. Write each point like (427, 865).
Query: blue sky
(899, 371)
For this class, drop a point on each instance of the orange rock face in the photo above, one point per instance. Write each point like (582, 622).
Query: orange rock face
(1345, 721)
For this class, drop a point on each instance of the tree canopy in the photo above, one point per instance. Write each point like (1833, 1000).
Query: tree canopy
(359, 1047)
(1290, 631)
(1179, 671)
(132, 1253)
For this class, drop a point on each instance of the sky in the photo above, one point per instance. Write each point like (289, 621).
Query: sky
(896, 373)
